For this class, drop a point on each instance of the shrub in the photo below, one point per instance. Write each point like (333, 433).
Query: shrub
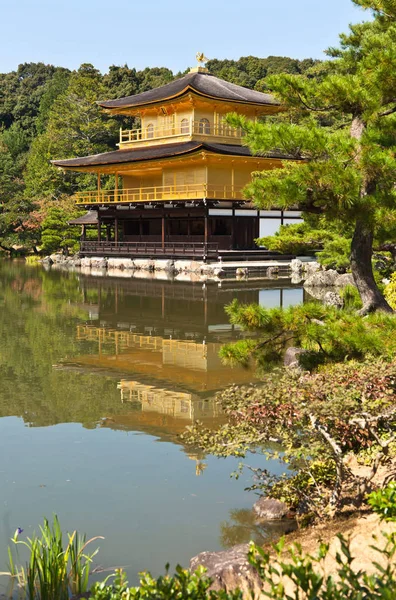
(298, 238)
(183, 585)
(390, 292)
(305, 574)
(383, 502)
(318, 421)
(335, 254)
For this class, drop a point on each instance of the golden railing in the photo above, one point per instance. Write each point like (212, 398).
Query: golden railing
(194, 191)
(188, 128)
(124, 340)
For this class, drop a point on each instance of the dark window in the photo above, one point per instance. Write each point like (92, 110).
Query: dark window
(151, 227)
(204, 126)
(197, 227)
(178, 227)
(131, 227)
(222, 226)
(184, 126)
(150, 130)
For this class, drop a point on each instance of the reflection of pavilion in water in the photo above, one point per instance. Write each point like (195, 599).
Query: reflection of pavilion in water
(181, 405)
(183, 311)
(190, 365)
(162, 340)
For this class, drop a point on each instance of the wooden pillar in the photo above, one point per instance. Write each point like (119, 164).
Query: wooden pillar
(233, 182)
(233, 230)
(116, 188)
(116, 230)
(84, 233)
(206, 234)
(98, 187)
(99, 229)
(163, 231)
(257, 226)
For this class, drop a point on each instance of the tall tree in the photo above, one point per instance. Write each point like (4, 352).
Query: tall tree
(15, 230)
(76, 127)
(345, 171)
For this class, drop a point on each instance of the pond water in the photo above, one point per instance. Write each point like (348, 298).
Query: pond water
(99, 376)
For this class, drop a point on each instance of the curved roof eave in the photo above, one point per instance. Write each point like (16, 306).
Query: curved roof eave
(160, 152)
(182, 93)
(205, 85)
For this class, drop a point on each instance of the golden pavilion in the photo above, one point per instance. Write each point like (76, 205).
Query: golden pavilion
(179, 177)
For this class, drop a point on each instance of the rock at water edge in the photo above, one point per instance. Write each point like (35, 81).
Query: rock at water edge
(270, 509)
(229, 570)
(98, 262)
(296, 265)
(86, 263)
(163, 265)
(322, 279)
(144, 264)
(292, 357)
(344, 280)
(123, 264)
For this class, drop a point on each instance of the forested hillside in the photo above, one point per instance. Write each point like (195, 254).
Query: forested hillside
(49, 112)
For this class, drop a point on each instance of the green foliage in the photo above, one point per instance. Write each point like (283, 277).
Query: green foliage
(183, 585)
(351, 298)
(390, 291)
(326, 333)
(383, 502)
(317, 421)
(298, 575)
(22, 91)
(76, 126)
(331, 248)
(341, 156)
(56, 233)
(252, 72)
(282, 574)
(335, 254)
(298, 238)
(52, 569)
(53, 89)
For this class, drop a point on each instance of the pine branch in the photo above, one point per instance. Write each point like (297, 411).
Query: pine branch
(312, 108)
(390, 111)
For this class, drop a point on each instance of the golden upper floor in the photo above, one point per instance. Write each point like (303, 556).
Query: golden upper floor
(192, 107)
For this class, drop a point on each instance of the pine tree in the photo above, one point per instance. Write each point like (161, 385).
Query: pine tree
(347, 169)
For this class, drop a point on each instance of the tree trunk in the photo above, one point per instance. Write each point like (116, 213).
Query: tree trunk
(362, 270)
(6, 249)
(362, 243)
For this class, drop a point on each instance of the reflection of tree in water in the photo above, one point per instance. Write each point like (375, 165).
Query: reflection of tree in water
(243, 526)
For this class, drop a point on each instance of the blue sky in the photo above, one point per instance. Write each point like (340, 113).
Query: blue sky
(168, 32)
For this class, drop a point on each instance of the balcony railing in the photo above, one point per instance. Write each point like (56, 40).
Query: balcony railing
(188, 128)
(162, 193)
(183, 249)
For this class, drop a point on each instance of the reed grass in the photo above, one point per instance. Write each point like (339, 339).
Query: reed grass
(52, 572)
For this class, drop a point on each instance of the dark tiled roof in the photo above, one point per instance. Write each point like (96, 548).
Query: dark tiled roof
(155, 152)
(201, 83)
(90, 218)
